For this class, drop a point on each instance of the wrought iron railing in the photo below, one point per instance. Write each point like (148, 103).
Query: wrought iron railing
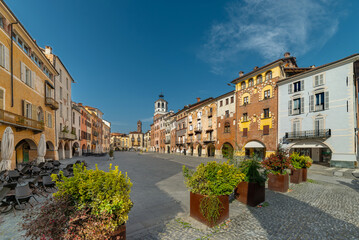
(20, 121)
(49, 101)
(320, 133)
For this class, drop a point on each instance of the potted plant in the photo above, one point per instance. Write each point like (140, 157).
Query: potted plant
(296, 170)
(251, 190)
(306, 162)
(92, 204)
(210, 185)
(277, 164)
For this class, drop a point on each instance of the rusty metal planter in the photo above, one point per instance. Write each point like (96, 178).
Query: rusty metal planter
(195, 209)
(119, 233)
(296, 176)
(250, 193)
(304, 174)
(278, 183)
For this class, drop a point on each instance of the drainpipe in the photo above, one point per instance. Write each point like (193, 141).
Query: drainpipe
(56, 133)
(12, 65)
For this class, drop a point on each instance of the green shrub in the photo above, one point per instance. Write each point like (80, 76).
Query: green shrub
(250, 168)
(101, 192)
(213, 178)
(296, 160)
(306, 162)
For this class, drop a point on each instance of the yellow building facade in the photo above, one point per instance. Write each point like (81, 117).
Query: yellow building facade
(27, 101)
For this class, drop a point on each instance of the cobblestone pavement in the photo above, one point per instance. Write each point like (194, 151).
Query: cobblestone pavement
(327, 208)
(310, 211)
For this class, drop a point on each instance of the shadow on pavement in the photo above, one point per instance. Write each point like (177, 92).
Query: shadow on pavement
(289, 218)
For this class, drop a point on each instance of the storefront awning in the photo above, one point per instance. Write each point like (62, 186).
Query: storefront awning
(309, 145)
(254, 144)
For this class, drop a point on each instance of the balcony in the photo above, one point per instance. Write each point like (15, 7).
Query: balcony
(49, 101)
(209, 140)
(198, 129)
(67, 136)
(296, 111)
(319, 107)
(20, 122)
(310, 134)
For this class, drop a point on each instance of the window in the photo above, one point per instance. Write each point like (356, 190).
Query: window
(318, 80)
(268, 75)
(221, 103)
(73, 118)
(2, 99)
(61, 93)
(266, 94)
(199, 115)
(245, 117)
(158, 105)
(319, 101)
(318, 124)
(243, 85)
(296, 106)
(67, 83)
(60, 109)
(2, 19)
(266, 113)
(49, 120)
(250, 82)
(296, 127)
(245, 132)
(190, 127)
(259, 79)
(227, 127)
(298, 86)
(163, 105)
(4, 56)
(227, 101)
(245, 100)
(232, 99)
(28, 110)
(36, 59)
(60, 75)
(266, 130)
(190, 118)
(227, 113)
(79, 120)
(68, 102)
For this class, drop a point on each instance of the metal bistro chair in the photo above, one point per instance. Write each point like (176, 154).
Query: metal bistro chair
(23, 194)
(13, 175)
(4, 205)
(48, 183)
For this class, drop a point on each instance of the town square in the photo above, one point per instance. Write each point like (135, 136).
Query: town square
(179, 120)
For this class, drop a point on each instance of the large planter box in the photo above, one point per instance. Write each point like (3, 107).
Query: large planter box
(250, 193)
(195, 209)
(119, 233)
(278, 183)
(304, 174)
(296, 176)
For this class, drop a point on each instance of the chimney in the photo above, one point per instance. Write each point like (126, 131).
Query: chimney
(313, 66)
(287, 54)
(255, 68)
(48, 50)
(241, 73)
(198, 99)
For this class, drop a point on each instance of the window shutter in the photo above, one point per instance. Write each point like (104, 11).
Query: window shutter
(326, 100)
(23, 107)
(245, 132)
(316, 81)
(34, 112)
(302, 105)
(321, 79)
(290, 88)
(311, 103)
(22, 72)
(302, 85)
(2, 99)
(33, 79)
(266, 130)
(7, 58)
(2, 55)
(290, 107)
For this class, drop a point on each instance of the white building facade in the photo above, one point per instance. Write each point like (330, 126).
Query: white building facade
(318, 113)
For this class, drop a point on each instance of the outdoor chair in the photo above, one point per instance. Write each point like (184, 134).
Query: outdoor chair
(35, 171)
(40, 165)
(23, 194)
(13, 175)
(4, 205)
(25, 169)
(69, 167)
(48, 183)
(11, 185)
(56, 163)
(48, 166)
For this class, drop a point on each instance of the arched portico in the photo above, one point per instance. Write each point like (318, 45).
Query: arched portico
(318, 151)
(50, 151)
(26, 150)
(210, 150)
(255, 147)
(227, 150)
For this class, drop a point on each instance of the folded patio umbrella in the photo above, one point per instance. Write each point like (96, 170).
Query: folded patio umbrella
(7, 149)
(41, 149)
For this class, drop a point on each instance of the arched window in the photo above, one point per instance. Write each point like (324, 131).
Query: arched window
(243, 85)
(163, 105)
(250, 82)
(158, 105)
(268, 75)
(227, 127)
(259, 79)
(40, 114)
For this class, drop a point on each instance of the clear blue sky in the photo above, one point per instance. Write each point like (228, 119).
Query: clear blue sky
(122, 54)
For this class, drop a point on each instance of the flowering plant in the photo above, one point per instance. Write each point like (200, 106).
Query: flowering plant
(306, 162)
(277, 163)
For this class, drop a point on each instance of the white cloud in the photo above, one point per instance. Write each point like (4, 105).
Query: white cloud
(270, 28)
